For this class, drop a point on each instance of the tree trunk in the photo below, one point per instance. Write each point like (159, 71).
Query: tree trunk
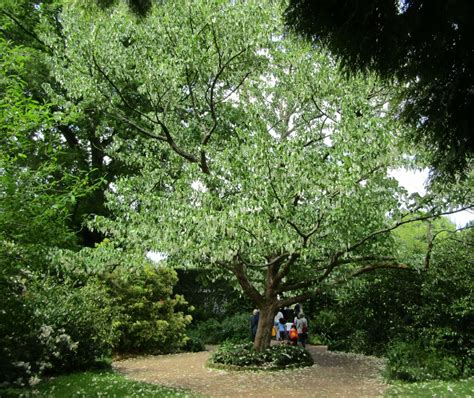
(265, 324)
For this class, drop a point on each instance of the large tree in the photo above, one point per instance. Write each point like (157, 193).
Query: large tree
(425, 44)
(79, 134)
(257, 158)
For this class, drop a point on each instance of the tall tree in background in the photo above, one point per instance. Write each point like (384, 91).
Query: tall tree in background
(257, 158)
(426, 45)
(36, 196)
(79, 133)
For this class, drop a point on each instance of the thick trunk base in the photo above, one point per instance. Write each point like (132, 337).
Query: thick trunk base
(264, 331)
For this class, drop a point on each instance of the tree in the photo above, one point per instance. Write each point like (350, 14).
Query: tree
(424, 44)
(79, 134)
(257, 158)
(36, 196)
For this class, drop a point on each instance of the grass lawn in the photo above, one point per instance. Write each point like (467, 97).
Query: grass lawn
(94, 384)
(459, 389)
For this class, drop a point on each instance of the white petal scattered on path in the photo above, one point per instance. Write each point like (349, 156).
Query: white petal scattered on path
(332, 375)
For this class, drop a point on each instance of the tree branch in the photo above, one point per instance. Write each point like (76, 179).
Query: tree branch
(398, 224)
(371, 268)
(137, 127)
(28, 32)
(239, 271)
(298, 299)
(284, 270)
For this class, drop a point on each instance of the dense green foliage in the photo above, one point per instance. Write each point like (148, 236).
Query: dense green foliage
(234, 327)
(49, 299)
(244, 356)
(423, 321)
(151, 321)
(95, 384)
(48, 327)
(425, 43)
(256, 157)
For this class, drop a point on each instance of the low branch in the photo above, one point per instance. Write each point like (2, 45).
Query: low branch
(452, 232)
(239, 271)
(398, 224)
(277, 259)
(371, 268)
(297, 286)
(298, 299)
(352, 260)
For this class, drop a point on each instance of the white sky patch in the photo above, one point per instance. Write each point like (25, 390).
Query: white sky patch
(412, 181)
(113, 187)
(415, 181)
(156, 257)
(198, 186)
(327, 140)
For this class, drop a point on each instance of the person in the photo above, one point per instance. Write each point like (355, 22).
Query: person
(276, 323)
(282, 329)
(296, 312)
(302, 328)
(293, 335)
(288, 314)
(254, 323)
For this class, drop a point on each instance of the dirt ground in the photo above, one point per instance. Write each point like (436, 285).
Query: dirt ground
(332, 375)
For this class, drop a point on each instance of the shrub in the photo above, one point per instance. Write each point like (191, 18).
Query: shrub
(412, 361)
(149, 322)
(50, 328)
(194, 345)
(276, 357)
(86, 314)
(213, 331)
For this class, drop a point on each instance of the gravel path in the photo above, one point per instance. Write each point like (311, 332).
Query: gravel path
(332, 375)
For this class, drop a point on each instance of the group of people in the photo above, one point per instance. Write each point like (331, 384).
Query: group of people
(290, 325)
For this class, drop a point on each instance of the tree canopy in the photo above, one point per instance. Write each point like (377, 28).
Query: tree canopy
(426, 45)
(256, 157)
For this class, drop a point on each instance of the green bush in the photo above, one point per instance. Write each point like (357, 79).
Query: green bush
(46, 327)
(213, 331)
(86, 314)
(194, 345)
(412, 361)
(276, 357)
(150, 319)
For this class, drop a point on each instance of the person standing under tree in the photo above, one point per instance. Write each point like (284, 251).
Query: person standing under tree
(302, 327)
(276, 323)
(254, 323)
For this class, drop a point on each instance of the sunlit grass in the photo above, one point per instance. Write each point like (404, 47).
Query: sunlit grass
(439, 389)
(95, 384)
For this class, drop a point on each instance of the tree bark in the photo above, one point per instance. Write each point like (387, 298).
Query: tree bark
(265, 324)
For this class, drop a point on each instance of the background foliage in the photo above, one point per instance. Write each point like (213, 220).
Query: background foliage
(421, 320)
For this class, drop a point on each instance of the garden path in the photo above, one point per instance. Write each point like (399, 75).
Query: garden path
(332, 375)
